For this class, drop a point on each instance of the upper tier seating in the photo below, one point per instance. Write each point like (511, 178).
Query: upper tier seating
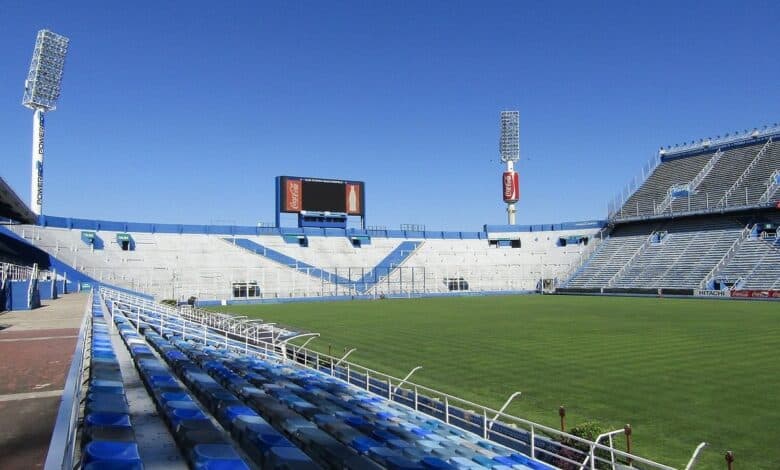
(738, 177)
(653, 191)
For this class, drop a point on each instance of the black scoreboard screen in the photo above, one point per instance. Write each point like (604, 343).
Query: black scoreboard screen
(298, 194)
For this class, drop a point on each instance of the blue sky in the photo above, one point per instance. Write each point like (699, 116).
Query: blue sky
(185, 111)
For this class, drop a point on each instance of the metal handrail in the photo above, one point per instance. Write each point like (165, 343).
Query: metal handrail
(61, 451)
(771, 187)
(727, 256)
(631, 260)
(720, 141)
(725, 199)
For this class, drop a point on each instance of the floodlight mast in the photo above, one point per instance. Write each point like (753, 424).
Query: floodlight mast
(509, 147)
(41, 91)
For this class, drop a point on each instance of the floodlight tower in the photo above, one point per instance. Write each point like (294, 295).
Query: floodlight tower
(509, 147)
(41, 91)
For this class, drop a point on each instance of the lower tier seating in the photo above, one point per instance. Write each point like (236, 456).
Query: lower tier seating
(282, 415)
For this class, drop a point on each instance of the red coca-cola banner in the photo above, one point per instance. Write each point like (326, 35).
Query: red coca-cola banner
(294, 195)
(756, 294)
(511, 182)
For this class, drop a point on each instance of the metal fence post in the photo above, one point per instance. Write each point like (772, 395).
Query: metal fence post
(628, 432)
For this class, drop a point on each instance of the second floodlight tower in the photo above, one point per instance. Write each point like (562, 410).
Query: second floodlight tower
(41, 91)
(509, 147)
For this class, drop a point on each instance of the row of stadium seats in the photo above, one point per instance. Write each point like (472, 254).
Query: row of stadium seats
(108, 438)
(289, 417)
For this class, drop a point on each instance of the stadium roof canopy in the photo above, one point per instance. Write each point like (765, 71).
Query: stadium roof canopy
(12, 207)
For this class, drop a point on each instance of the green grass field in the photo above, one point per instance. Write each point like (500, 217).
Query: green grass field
(680, 371)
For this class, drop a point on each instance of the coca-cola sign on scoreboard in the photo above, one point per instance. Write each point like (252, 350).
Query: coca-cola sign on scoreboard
(294, 196)
(511, 183)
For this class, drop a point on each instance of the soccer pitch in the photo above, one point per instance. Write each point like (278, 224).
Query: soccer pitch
(680, 371)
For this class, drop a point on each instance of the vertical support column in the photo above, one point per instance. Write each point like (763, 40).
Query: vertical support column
(511, 211)
(36, 186)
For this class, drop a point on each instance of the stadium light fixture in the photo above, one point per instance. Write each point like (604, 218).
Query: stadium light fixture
(41, 92)
(509, 149)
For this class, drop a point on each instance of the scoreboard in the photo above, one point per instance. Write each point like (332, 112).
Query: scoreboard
(296, 194)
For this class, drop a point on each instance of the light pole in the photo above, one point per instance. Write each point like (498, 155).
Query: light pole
(509, 148)
(41, 91)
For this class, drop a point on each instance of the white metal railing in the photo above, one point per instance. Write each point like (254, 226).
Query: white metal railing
(721, 141)
(727, 256)
(60, 455)
(14, 272)
(615, 205)
(724, 201)
(696, 181)
(540, 440)
(670, 196)
(630, 261)
(771, 188)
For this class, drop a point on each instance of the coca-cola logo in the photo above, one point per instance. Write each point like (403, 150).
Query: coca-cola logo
(293, 195)
(509, 188)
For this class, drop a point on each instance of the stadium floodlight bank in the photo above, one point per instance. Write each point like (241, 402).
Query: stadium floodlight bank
(41, 92)
(509, 148)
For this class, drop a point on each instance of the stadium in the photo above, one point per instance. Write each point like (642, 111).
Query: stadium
(644, 339)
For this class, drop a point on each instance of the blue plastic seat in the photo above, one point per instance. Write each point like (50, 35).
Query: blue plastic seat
(179, 415)
(216, 456)
(112, 452)
(436, 464)
(107, 419)
(230, 413)
(401, 463)
(289, 458)
(363, 444)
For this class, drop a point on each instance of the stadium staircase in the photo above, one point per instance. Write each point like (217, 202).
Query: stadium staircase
(627, 266)
(690, 187)
(286, 260)
(613, 253)
(744, 189)
(368, 279)
(680, 171)
(771, 187)
(733, 250)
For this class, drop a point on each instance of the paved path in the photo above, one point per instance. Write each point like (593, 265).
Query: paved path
(36, 348)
